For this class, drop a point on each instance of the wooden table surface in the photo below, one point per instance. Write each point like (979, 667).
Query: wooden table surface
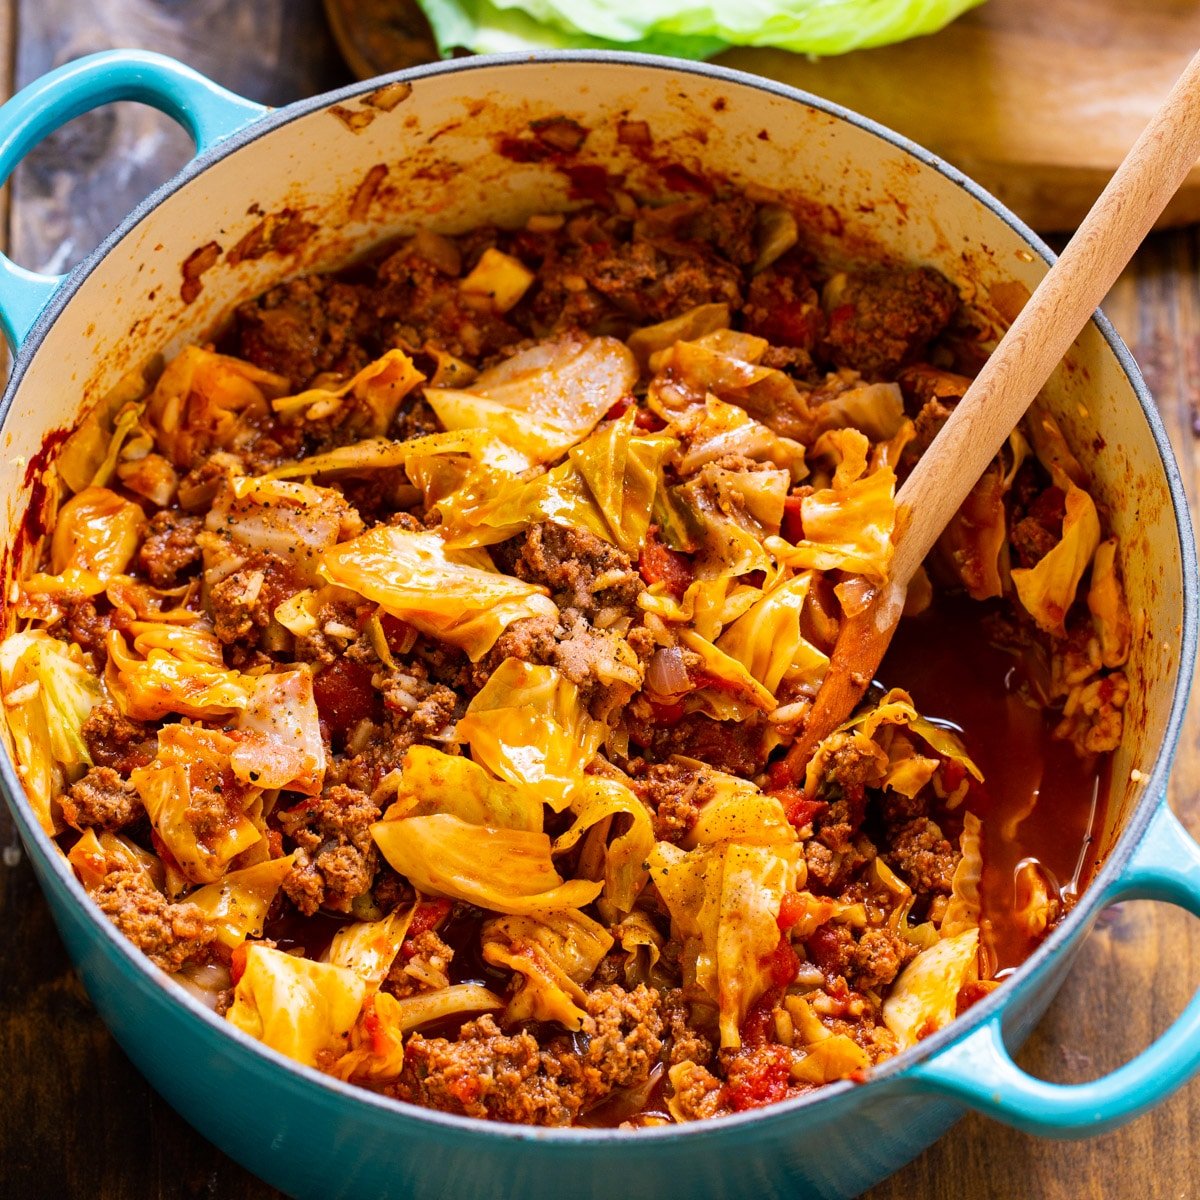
(76, 1120)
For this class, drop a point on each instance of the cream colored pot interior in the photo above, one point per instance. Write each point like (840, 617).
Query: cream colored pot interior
(386, 162)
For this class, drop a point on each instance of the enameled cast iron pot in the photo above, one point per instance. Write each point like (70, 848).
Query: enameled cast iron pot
(421, 148)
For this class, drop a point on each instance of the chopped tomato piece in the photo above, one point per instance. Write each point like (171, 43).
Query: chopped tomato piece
(790, 910)
(658, 564)
(793, 522)
(429, 915)
(344, 695)
(800, 810)
(649, 421)
(666, 714)
(621, 407)
(237, 962)
(784, 962)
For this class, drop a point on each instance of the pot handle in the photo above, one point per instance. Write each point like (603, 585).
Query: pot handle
(979, 1071)
(207, 111)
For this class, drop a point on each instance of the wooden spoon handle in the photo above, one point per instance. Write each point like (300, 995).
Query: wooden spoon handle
(1066, 298)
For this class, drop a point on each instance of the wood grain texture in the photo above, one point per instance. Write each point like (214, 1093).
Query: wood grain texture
(78, 1123)
(1036, 99)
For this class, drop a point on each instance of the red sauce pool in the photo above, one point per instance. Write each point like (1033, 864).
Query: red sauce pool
(1039, 800)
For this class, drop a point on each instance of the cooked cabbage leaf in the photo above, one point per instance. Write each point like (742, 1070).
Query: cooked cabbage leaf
(596, 799)
(768, 642)
(962, 913)
(621, 468)
(204, 400)
(431, 782)
(556, 953)
(96, 535)
(545, 399)
(506, 870)
(925, 996)
(280, 744)
(189, 778)
(296, 521)
(94, 857)
(365, 404)
(236, 904)
(513, 504)
(847, 527)
(734, 810)
(721, 429)
(975, 539)
(725, 900)
(895, 708)
(294, 1005)
(454, 595)
(48, 694)
(172, 669)
(1106, 603)
(368, 948)
(687, 327)
(1047, 590)
(528, 725)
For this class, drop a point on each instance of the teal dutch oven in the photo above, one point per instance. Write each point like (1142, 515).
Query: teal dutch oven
(421, 148)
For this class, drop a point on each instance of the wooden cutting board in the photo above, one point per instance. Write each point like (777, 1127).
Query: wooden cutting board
(1037, 100)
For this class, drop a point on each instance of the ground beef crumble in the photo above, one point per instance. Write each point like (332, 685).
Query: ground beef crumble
(336, 859)
(170, 935)
(513, 1077)
(101, 799)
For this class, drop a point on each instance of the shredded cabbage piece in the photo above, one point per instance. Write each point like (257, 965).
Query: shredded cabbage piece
(555, 953)
(506, 870)
(368, 948)
(721, 429)
(281, 744)
(560, 495)
(294, 1005)
(365, 404)
(725, 900)
(896, 708)
(189, 775)
(768, 642)
(172, 669)
(528, 725)
(686, 327)
(431, 782)
(975, 542)
(96, 535)
(48, 694)
(735, 810)
(236, 904)
(95, 856)
(204, 400)
(454, 595)
(847, 527)
(925, 996)
(1047, 590)
(1106, 602)
(597, 799)
(296, 521)
(621, 468)
(962, 913)
(545, 399)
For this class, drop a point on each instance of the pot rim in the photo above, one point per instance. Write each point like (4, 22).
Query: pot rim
(1023, 979)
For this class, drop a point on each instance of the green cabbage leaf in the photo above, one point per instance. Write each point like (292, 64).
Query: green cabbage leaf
(692, 31)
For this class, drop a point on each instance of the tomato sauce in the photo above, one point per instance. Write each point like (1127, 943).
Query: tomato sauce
(1039, 800)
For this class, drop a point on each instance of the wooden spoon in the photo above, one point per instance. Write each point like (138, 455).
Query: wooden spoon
(1064, 301)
